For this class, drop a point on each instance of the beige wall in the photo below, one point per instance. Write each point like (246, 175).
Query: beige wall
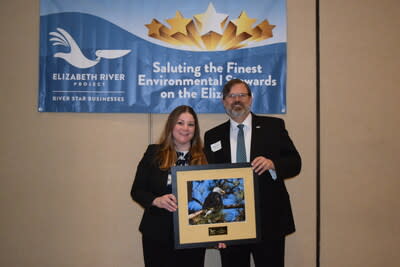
(65, 178)
(360, 96)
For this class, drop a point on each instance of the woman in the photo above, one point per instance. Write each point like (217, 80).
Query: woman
(180, 144)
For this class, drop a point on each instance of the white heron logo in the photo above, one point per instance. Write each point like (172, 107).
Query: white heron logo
(75, 57)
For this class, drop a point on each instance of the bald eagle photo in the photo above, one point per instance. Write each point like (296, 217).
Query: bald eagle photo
(216, 201)
(213, 202)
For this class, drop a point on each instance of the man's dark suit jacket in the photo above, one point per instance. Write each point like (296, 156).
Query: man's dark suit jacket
(151, 182)
(271, 140)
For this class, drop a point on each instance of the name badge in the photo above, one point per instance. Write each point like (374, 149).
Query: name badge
(216, 146)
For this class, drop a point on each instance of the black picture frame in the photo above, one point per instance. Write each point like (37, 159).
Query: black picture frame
(228, 216)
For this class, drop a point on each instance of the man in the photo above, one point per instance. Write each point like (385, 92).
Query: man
(273, 157)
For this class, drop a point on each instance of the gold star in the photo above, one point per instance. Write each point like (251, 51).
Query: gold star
(154, 27)
(178, 23)
(243, 23)
(266, 29)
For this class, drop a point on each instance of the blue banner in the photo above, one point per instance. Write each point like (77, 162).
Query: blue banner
(150, 56)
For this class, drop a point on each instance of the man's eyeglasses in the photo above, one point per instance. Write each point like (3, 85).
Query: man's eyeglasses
(241, 95)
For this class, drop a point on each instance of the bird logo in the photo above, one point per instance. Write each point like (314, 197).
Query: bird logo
(75, 57)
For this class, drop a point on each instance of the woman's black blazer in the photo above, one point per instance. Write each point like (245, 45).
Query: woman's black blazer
(151, 182)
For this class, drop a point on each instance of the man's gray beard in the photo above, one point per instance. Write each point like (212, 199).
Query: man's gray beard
(234, 114)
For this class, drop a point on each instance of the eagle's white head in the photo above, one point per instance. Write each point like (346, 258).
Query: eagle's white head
(218, 190)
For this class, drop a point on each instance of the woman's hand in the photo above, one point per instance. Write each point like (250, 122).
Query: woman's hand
(167, 202)
(221, 245)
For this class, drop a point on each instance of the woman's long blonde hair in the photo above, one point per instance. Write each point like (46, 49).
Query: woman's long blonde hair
(167, 154)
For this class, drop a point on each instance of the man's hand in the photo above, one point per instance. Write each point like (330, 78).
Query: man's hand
(167, 202)
(262, 164)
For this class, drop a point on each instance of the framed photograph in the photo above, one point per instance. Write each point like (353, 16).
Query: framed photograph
(216, 203)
